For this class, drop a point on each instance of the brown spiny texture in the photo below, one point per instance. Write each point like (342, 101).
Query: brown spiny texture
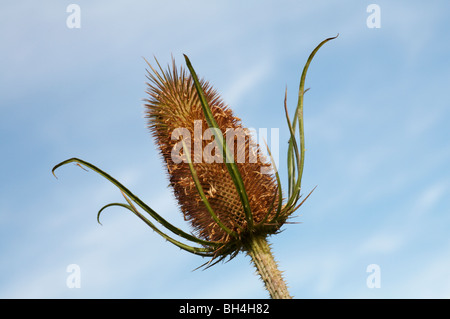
(173, 103)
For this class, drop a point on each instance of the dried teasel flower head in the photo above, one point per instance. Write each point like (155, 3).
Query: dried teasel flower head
(175, 112)
(221, 181)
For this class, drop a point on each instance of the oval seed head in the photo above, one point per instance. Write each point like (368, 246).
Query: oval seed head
(174, 111)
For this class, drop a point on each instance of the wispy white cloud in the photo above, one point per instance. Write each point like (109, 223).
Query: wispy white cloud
(245, 81)
(384, 243)
(431, 196)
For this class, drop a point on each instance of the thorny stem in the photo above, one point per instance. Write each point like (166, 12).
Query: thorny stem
(259, 250)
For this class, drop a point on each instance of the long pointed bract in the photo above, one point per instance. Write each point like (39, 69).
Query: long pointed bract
(202, 193)
(299, 115)
(138, 201)
(229, 157)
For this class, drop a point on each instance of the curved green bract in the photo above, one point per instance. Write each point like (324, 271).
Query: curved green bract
(295, 183)
(195, 250)
(202, 193)
(205, 252)
(109, 205)
(229, 157)
(280, 191)
(138, 201)
(294, 186)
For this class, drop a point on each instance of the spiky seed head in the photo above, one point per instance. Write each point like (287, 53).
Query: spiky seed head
(173, 103)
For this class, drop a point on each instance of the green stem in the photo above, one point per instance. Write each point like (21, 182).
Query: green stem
(259, 250)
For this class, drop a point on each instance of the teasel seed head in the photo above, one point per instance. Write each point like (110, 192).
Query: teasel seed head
(174, 104)
(232, 205)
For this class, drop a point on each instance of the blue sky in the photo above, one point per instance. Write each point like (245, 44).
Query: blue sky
(377, 139)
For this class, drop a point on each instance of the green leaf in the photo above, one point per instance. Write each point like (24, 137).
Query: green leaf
(279, 188)
(202, 193)
(229, 157)
(205, 252)
(109, 205)
(138, 201)
(299, 116)
(293, 183)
